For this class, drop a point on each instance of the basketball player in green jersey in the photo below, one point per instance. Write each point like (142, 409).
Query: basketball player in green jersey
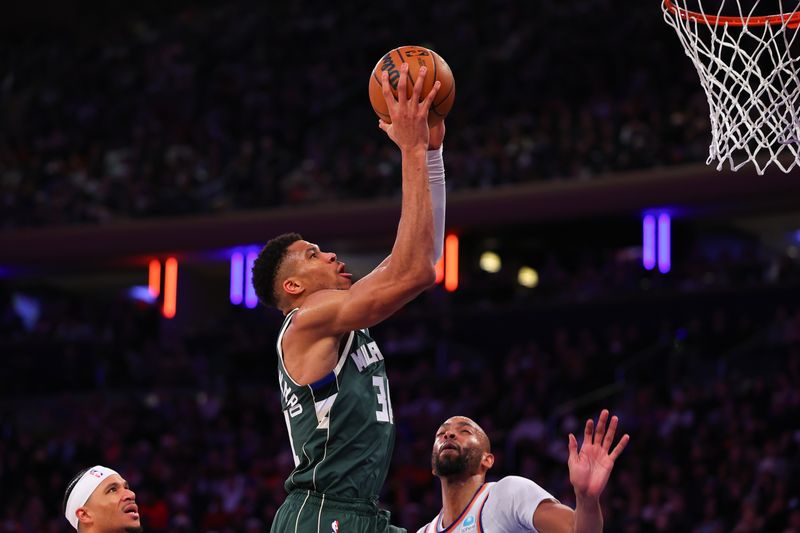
(334, 389)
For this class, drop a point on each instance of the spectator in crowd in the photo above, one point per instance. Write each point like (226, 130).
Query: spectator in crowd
(193, 421)
(196, 109)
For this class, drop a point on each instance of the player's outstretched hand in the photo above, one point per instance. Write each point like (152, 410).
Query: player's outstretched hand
(590, 468)
(409, 127)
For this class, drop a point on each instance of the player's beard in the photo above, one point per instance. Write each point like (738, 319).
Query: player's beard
(134, 529)
(466, 462)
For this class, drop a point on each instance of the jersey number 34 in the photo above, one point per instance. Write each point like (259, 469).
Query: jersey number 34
(384, 412)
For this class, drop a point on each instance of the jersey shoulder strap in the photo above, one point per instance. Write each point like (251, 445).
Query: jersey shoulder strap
(279, 343)
(344, 347)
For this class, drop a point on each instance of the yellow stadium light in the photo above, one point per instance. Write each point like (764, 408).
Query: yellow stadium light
(490, 262)
(528, 277)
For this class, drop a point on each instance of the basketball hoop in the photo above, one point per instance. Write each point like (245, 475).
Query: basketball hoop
(749, 67)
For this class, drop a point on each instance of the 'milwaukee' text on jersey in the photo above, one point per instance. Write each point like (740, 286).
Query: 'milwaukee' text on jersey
(341, 428)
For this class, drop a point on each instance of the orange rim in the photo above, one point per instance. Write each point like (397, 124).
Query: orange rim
(791, 20)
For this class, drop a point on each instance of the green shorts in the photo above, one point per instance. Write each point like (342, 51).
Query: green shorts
(305, 511)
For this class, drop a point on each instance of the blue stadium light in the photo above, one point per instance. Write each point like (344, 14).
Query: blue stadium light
(141, 293)
(664, 243)
(649, 242)
(237, 278)
(27, 308)
(250, 298)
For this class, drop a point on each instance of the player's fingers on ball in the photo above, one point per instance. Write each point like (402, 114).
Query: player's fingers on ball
(426, 105)
(402, 84)
(386, 89)
(416, 95)
(609, 438)
(620, 446)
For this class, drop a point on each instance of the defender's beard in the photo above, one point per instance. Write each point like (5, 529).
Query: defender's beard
(466, 462)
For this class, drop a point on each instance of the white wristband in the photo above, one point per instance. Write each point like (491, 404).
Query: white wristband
(435, 165)
(438, 198)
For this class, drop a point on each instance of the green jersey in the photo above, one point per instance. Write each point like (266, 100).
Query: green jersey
(341, 428)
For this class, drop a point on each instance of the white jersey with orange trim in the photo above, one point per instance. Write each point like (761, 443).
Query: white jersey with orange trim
(505, 506)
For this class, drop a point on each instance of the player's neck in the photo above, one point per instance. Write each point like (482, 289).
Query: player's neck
(294, 304)
(456, 495)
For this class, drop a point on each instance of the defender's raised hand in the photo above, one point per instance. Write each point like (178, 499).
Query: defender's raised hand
(590, 468)
(409, 127)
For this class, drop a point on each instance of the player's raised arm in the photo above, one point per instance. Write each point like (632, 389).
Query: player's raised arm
(325, 354)
(411, 267)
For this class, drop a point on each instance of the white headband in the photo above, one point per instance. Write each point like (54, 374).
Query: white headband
(83, 490)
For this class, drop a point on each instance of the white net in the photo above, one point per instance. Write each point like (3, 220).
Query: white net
(748, 65)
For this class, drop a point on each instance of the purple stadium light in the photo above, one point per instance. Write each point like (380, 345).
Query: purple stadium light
(250, 298)
(237, 278)
(649, 242)
(664, 243)
(141, 294)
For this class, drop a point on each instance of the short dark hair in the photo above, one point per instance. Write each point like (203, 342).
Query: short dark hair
(267, 264)
(70, 487)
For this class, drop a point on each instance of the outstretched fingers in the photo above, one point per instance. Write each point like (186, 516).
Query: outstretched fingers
(620, 446)
(599, 433)
(588, 431)
(573, 447)
(608, 440)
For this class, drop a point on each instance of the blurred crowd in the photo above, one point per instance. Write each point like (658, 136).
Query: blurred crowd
(705, 378)
(177, 109)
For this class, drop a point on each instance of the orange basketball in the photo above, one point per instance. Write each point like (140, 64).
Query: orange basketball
(415, 56)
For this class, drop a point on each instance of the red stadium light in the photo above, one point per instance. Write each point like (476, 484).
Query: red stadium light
(451, 263)
(154, 278)
(440, 270)
(170, 288)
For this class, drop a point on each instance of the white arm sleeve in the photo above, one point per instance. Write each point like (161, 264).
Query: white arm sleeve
(436, 180)
(515, 501)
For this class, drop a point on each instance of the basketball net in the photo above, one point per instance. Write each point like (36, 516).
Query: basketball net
(748, 67)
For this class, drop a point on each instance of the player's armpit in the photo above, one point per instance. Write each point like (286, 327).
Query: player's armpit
(553, 517)
(307, 357)
(310, 344)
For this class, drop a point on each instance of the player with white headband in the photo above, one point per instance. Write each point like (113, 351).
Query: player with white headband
(99, 500)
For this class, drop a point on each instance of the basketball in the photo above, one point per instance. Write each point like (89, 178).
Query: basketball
(416, 57)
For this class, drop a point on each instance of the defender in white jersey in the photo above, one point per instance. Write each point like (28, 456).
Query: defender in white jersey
(462, 456)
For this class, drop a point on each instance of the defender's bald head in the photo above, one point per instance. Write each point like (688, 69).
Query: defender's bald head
(456, 422)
